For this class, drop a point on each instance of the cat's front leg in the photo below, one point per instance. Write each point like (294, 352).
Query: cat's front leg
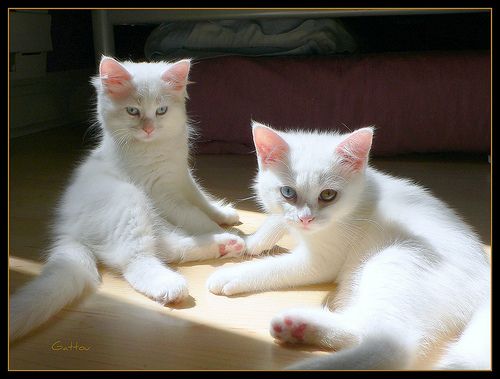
(269, 233)
(188, 218)
(270, 273)
(148, 275)
(223, 214)
(217, 211)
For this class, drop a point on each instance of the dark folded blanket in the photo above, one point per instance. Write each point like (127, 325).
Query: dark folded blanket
(263, 37)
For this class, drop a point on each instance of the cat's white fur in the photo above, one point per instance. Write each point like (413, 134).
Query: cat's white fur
(409, 271)
(133, 203)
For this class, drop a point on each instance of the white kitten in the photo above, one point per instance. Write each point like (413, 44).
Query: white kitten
(409, 270)
(133, 202)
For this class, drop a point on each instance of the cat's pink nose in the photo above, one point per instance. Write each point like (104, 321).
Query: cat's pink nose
(148, 128)
(306, 220)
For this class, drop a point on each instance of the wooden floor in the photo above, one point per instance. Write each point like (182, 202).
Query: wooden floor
(119, 329)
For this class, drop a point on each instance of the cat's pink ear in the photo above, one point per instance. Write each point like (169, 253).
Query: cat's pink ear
(271, 148)
(355, 148)
(115, 78)
(176, 76)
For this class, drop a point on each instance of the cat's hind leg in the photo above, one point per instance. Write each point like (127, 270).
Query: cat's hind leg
(178, 247)
(133, 246)
(316, 327)
(393, 302)
(472, 351)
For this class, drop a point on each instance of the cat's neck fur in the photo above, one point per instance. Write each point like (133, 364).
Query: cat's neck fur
(344, 238)
(138, 158)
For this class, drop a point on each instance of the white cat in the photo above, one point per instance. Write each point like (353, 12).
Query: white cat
(409, 271)
(133, 202)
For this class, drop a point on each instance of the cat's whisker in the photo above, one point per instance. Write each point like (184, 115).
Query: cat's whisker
(122, 138)
(380, 227)
(245, 199)
(346, 127)
(93, 130)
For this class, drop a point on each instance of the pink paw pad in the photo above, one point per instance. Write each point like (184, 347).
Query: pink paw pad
(238, 247)
(277, 328)
(288, 321)
(232, 242)
(222, 250)
(298, 331)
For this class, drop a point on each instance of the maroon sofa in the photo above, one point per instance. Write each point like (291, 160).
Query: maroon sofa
(419, 102)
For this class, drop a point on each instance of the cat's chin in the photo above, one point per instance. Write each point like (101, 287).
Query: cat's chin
(146, 138)
(308, 229)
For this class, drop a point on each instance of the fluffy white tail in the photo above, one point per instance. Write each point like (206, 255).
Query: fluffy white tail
(70, 269)
(374, 353)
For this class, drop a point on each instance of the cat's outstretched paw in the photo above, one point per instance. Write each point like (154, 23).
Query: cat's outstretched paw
(227, 281)
(229, 245)
(226, 215)
(313, 327)
(150, 277)
(292, 329)
(169, 290)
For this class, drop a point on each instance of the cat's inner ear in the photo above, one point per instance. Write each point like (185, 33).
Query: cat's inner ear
(115, 78)
(271, 148)
(354, 149)
(176, 76)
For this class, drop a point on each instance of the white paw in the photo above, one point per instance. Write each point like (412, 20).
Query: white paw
(226, 215)
(254, 246)
(227, 281)
(313, 327)
(169, 289)
(229, 245)
(292, 327)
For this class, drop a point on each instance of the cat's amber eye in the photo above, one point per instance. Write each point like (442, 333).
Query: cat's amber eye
(162, 110)
(133, 111)
(328, 195)
(288, 192)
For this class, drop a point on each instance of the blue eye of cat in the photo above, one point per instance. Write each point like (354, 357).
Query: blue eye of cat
(288, 192)
(328, 195)
(161, 110)
(132, 111)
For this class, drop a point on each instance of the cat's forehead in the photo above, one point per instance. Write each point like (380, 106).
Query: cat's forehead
(312, 152)
(146, 74)
(149, 70)
(146, 77)
(312, 158)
